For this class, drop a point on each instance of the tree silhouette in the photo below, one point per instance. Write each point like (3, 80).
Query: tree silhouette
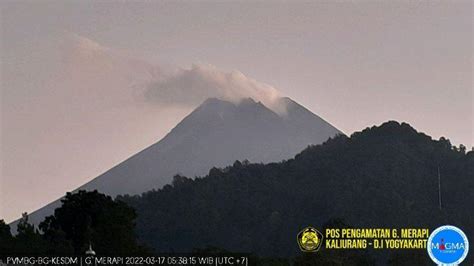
(6, 238)
(385, 176)
(92, 217)
(28, 240)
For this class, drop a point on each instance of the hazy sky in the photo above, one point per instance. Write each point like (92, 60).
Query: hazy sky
(77, 78)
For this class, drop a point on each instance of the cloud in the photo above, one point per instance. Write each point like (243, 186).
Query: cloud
(192, 86)
(83, 56)
(96, 97)
(110, 71)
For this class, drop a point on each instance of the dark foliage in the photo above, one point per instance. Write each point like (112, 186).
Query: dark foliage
(384, 176)
(6, 238)
(27, 241)
(84, 218)
(92, 217)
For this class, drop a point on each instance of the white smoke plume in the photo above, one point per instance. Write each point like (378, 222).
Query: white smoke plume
(192, 86)
(94, 83)
(156, 84)
(91, 97)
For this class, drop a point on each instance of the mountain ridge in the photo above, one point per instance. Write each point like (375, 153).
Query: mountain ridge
(215, 134)
(384, 176)
(214, 115)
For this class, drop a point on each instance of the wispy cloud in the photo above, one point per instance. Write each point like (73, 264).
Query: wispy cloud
(191, 86)
(159, 85)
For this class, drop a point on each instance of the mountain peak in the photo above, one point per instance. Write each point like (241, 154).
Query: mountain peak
(221, 102)
(214, 106)
(391, 128)
(215, 134)
(279, 106)
(248, 101)
(214, 102)
(219, 132)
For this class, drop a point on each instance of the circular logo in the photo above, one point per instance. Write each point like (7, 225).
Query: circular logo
(447, 245)
(309, 239)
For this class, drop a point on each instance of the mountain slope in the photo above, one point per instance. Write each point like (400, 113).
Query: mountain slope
(382, 177)
(215, 134)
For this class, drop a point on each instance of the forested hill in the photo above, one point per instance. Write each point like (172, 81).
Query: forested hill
(385, 176)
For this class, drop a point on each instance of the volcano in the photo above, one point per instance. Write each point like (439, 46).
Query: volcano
(215, 134)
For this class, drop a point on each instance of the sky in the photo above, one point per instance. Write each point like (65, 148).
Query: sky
(84, 85)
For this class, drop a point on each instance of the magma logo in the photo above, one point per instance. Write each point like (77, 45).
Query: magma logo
(448, 245)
